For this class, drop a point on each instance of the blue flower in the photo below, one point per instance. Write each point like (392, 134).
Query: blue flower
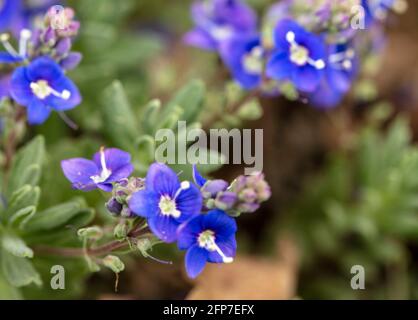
(219, 20)
(341, 69)
(108, 166)
(9, 10)
(298, 56)
(244, 56)
(165, 202)
(41, 87)
(207, 238)
(379, 9)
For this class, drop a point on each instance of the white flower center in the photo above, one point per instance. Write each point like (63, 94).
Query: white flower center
(221, 32)
(168, 207)
(42, 90)
(253, 61)
(299, 55)
(206, 240)
(106, 173)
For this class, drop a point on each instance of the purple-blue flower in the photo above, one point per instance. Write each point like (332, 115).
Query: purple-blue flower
(244, 56)
(166, 202)
(108, 166)
(9, 10)
(4, 86)
(341, 69)
(299, 56)
(207, 238)
(379, 9)
(42, 87)
(219, 20)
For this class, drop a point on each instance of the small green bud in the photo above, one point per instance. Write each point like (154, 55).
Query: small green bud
(121, 231)
(90, 233)
(114, 263)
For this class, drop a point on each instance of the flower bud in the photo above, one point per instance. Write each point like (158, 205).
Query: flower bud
(226, 200)
(63, 47)
(90, 233)
(114, 263)
(113, 206)
(213, 187)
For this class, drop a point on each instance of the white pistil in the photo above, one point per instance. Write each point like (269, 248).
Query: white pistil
(42, 90)
(206, 240)
(4, 39)
(299, 55)
(105, 174)
(25, 35)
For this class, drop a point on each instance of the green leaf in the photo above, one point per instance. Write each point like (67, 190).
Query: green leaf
(16, 246)
(190, 98)
(21, 199)
(18, 271)
(59, 216)
(26, 168)
(149, 116)
(8, 292)
(121, 124)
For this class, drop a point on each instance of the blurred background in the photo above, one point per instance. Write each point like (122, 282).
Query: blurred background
(344, 181)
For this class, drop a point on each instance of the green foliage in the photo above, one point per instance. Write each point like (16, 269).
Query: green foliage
(362, 210)
(23, 226)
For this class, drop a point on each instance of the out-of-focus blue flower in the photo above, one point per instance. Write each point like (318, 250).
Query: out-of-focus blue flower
(165, 202)
(9, 12)
(219, 20)
(4, 86)
(244, 56)
(108, 166)
(42, 87)
(379, 9)
(341, 69)
(207, 238)
(298, 56)
(18, 14)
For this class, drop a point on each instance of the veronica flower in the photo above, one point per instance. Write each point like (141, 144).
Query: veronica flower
(42, 87)
(298, 56)
(379, 9)
(219, 20)
(342, 67)
(108, 166)
(166, 202)
(244, 56)
(8, 12)
(207, 238)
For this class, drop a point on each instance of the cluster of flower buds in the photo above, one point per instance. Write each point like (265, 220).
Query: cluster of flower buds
(55, 37)
(121, 193)
(243, 195)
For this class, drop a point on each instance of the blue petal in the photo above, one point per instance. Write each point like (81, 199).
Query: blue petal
(20, 87)
(281, 30)
(227, 245)
(79, 171)
(117, 161)
(44, 68)
(279, 67)
(189, 202)
(188, 232)
(306, 78)
(200, 39)
(60, 84)
(38, 112)
(219, 222)
(164, 227)
(107, 187)
(161, 179)
(197, 177)
(195, 260)
(144, 203)
(6, 58)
